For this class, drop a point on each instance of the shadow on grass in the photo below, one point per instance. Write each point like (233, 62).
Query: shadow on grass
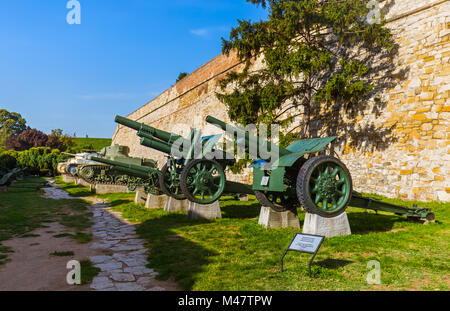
(333, 263)
(366, 222)
(118, 202)
(171, 254)
(232, 208)
(77, 191)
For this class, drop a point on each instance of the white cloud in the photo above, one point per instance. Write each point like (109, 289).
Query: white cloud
(207, 31)
(199, 32)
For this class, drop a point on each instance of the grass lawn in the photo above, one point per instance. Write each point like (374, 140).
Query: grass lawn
(23, 210)
(235, 253)
(92, 143)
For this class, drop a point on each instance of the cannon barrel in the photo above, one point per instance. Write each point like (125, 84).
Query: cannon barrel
(162, 135)
(132, 169)
(70, 154)
(161, 146)
(249, 139)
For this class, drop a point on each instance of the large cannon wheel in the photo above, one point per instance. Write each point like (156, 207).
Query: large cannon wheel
(169, 181)
(277, 201)
(324, 186)
(203, 181)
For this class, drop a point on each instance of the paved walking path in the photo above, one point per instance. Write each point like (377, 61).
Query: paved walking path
(123, 267)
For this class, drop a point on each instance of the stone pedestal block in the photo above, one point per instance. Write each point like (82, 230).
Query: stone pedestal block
(68, 178)
(328, 227)
(204, 211)
(3, 189)
(173, 205)
(271, 219)
(244, 198)
(141, 197)
(104, 189)
(82, 182)
(156, 201)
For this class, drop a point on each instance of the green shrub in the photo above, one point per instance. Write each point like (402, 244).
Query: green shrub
(39, 161)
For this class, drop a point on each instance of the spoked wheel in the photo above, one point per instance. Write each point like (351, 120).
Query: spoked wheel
(169, 181)
(203, 181)
(278, 201)
(152, 184)
(324, 186)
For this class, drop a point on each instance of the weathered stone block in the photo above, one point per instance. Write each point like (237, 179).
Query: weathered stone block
(173, 205)
(141, 197)
(204, 211)
(272, 219)
(328, 227)
(156, 201)
(244, 198)
(103, 189)
(81, 182)
(68, 178)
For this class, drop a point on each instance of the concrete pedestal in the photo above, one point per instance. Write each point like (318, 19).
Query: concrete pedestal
(156, 201)
(204, 211)
(68, 178)
(82, 182)
(104, 189)
(328, 227)
(271, 219)
(141, 197)
(3, 189)
(244, 198)
(173, 205)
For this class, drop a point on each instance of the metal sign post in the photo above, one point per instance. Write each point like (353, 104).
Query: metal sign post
(304, 243)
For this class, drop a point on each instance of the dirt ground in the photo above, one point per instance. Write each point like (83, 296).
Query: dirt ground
(33, 269)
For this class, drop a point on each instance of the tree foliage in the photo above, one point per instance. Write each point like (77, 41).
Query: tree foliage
(26, 140)
(12, 122)
(181, 76)
(317, 57)
(41, 161)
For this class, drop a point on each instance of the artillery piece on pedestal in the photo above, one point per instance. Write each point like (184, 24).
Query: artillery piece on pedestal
(188, 174)
(321, 184)
(298, 177)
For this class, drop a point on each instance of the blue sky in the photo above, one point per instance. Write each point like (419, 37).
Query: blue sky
(123, 54)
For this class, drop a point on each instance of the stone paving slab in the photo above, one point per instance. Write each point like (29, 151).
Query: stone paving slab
(126, 268)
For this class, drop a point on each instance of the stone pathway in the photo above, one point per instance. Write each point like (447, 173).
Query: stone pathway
(123, 265)
(125, 268)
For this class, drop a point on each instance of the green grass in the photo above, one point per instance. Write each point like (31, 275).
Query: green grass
(72, 189)
(63, 254)
(24, 210)
(88, 271)
(92, 143)
(235, 253)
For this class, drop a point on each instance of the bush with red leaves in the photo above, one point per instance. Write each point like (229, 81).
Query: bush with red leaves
(26, 140)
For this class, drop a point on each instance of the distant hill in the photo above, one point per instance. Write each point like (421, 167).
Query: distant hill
(91, 143)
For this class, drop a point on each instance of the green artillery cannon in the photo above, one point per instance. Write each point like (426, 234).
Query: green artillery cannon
(320, 184)
(145, 176)
(188, 174)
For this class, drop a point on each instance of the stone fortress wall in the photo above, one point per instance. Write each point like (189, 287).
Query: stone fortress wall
(416, 165)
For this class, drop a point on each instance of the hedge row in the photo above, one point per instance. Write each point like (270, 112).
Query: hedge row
(40, 161)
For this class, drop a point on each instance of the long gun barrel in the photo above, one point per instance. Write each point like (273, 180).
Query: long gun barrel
(249, 139)
(70, 154)
(132, 169)
(162, 135)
